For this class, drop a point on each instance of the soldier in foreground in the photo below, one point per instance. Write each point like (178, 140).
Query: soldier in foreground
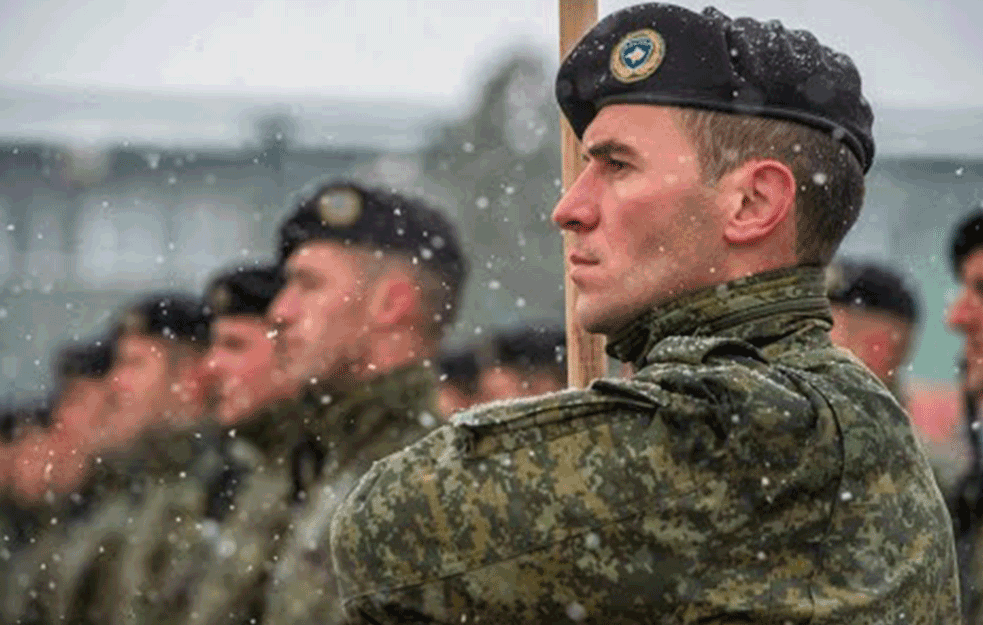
(371, 280)
(750, 471)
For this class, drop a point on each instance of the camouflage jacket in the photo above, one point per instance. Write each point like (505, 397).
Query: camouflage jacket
(288, 468)
(749, 472)
(48, 578)
(73, 573)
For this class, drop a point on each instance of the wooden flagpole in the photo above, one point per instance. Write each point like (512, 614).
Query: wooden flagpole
(585, 352)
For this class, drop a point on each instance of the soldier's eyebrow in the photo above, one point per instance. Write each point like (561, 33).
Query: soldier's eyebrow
(606, 149)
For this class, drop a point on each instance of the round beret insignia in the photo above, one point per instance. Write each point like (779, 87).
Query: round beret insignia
(220, 300)
(135, 322)
(637, 55)
(340, 208)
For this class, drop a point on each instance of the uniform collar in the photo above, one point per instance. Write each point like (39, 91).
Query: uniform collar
(723, 308)
(340, 416)
(350, 415)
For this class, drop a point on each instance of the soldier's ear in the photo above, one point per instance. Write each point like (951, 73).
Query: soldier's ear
(758, 199)
(394, 299)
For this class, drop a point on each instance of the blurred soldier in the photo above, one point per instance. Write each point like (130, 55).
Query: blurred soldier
(158, 572)
(458, 381)
(155, 381)
(523, 362)
(874, 316)
(965, 316)
(52, 462)
(155, 398)
(21, 517)
(56, 459)
(241, 360)
(372, 280)
(749, 471)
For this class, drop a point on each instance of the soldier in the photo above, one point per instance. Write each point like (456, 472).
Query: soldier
(458, 381)
(157, 574)
(52, 462)
(875, 316)
(523, 362)
(372, 280)
(56, 459)
(241, 361)
(749, 471)
(155, 381)
(154, 390)
(965, 316)
(23, 509)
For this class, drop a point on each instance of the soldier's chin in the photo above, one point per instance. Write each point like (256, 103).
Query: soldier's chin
(598, 319)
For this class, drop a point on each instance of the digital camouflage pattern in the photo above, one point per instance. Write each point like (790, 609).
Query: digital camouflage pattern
(173, 528)
(73, 572)
(364, 426)
(248, 545)
(176, 470)
(51, 579)
(750, 472)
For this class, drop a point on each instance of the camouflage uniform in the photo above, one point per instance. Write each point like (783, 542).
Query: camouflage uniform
(176, 470)
(75, 537)
(73, 572)
(749, 472)
(251, 547)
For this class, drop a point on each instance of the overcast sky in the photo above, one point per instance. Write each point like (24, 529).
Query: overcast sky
(920, 53)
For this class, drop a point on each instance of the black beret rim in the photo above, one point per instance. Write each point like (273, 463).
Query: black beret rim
(905, 313)
(821, 123)
(963, 244)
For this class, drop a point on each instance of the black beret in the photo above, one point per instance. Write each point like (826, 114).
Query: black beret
(243, 291)
(17, 415)
(967, 237)
(378, 220)
(91, 360)
(665, 54)
(870, 286)
(174, 316)
(528, 347)
(460, 368)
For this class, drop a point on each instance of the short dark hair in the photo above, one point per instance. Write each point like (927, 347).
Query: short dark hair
(829, 179)
(389, 224)
(967, 237)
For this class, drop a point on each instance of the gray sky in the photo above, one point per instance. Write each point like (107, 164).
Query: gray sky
(911, 53)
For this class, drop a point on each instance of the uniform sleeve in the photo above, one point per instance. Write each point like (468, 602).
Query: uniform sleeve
(303, 588)
(244, 552)
(619, 501)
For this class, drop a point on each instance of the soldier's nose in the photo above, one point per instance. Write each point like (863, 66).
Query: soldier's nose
(577, 209)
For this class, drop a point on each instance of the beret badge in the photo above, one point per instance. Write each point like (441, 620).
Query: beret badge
(135, 322)
(220, 299)
(340, 208)
(637, 55)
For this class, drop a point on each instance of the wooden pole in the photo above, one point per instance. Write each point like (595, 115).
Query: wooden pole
(586, 360)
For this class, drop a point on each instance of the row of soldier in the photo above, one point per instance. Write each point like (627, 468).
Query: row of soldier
(185, 442)
(743, 470)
